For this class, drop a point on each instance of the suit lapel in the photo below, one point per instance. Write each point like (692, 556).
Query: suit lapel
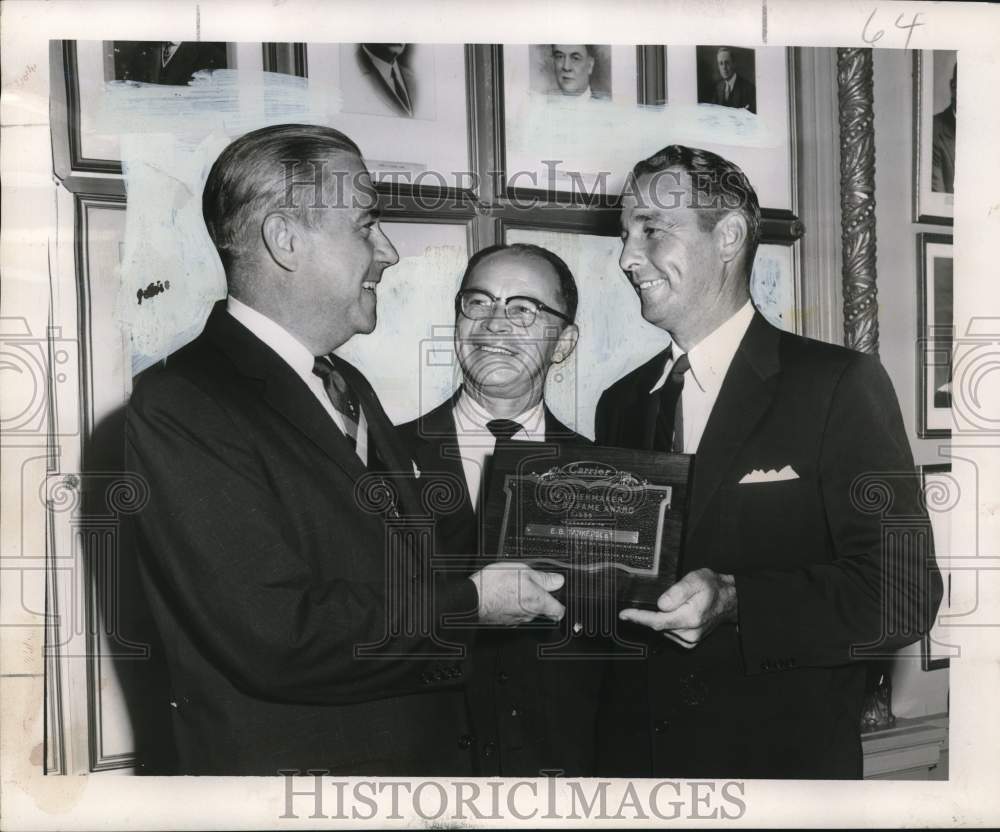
(746, 395)
(283, 389)
(648, 409)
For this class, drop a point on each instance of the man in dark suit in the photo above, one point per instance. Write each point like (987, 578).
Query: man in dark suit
(786, 580)
(166, 62)
(287, 589)
(732, 89)
(389, 78)
(514, 319)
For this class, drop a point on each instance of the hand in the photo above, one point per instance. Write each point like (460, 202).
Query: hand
(691, 608)
(513, 593)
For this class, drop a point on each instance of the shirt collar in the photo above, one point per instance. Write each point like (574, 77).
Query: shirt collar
(384, 67)
(711, 356)
(471, 417)
(292, 351)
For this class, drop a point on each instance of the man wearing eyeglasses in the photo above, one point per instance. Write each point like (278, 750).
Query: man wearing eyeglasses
(514, 319)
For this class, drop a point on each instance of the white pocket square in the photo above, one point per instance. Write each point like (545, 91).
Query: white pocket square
(756, 475)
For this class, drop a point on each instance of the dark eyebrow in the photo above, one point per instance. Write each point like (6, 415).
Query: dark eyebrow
(646, 216)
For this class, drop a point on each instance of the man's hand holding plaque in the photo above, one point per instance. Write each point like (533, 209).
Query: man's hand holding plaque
(690, 609)
(514, 593)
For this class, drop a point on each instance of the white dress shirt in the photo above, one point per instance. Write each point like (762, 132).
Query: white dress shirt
(297, 356)
(710, 359)
(476, 443)
(730, 83)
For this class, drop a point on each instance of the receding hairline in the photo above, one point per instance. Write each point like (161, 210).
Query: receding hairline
(520, 254)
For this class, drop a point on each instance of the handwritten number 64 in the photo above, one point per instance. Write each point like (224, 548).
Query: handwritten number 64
(876, 36)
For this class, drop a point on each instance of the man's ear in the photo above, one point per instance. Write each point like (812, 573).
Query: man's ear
(732, 235)
(566, 343)
(280, 235)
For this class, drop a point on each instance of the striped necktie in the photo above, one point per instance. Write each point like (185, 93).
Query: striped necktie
(342, 397)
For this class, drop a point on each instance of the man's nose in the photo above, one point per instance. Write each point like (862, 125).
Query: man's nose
(386, 252)
(497, 321)
(631, 256)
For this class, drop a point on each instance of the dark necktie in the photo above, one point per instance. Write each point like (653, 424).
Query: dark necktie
(169, 48)
(670, 422)
(400, 89)
(503, 429)
(342, 397)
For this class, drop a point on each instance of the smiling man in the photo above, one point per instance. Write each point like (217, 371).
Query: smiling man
(514, 320)
(787, 576)
(293, 633)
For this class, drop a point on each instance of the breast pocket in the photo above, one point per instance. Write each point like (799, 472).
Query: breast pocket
(775, 519)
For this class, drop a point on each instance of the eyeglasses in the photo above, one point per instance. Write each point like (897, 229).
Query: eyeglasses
(478, 305)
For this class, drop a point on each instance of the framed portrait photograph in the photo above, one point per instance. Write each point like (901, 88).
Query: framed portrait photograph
(111, 87)
(727, 77)
(579, 70)
(388, 79)
(940, 496)
(936, 330)
(935, 75)
(576, 148)
(163, 62)
(393, 98)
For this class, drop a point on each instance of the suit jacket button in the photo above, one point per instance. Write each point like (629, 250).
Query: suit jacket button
(661, 726)
(517, 711)
(465, 741)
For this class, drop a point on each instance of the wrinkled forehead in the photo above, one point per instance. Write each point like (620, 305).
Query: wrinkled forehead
(516, 273)
(574, 49)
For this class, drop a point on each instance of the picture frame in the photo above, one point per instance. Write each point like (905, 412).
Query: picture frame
(542, 141)
(737, 89)
(365, 109)
(938, 487)
(935, 335)
(651, 75)
(88, 66)
(934, 89)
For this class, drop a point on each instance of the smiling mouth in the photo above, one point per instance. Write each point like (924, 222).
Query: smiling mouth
(494, 350)
(646, 285)
(369, 286)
